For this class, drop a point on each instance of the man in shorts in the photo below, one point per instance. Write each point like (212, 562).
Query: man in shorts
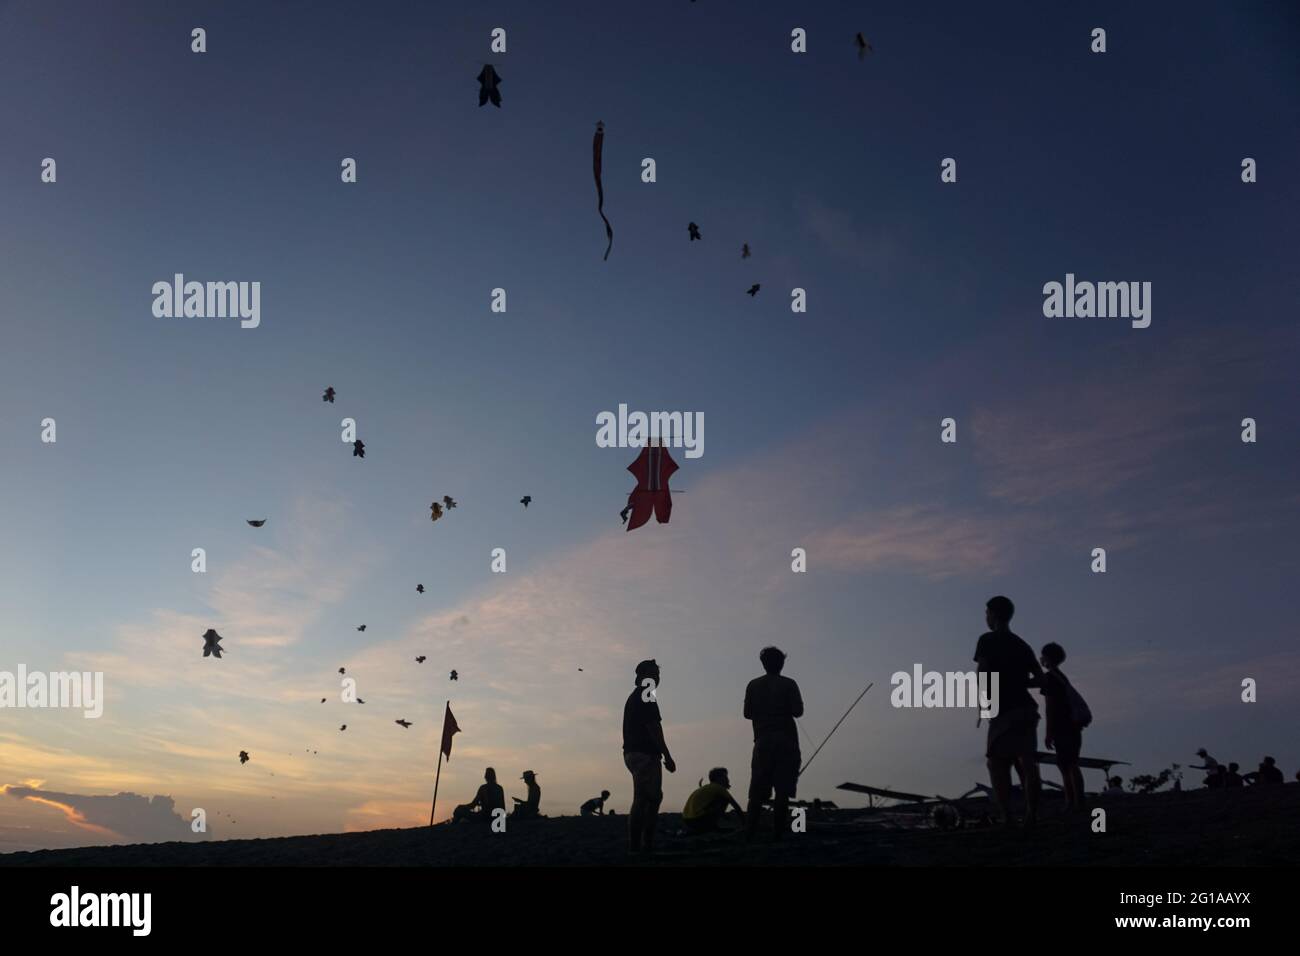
(643, 747)
(1013, 733)
(772, 702)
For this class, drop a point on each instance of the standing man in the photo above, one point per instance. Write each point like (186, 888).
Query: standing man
(772, 702)
(1013, 733)
(643, 746)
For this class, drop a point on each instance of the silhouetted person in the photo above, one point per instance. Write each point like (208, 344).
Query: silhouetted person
(595, 807)
(490, 797)
(1064, 735)
(706, 806)
(1217, 779)
(1013, 733)
(1114, 784)
(1211, 765)
(1232, 779)
(772, 702)
(643, 748)
(1267, 773)
(529, 809)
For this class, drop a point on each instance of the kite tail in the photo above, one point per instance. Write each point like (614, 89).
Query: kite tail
(597, 147)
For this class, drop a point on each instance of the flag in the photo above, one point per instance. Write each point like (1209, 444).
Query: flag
(449, 727)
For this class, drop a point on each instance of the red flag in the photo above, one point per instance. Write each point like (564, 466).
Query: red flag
(449, 727)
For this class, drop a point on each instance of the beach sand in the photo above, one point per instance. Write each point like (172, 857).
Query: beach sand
(1254, 826)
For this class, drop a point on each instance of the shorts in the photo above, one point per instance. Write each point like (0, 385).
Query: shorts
(1013, 735)
(647, 776)
(775, 766)
(1068, 745)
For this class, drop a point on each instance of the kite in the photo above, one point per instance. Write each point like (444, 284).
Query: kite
(864, 45)
(257, 524)
(435, 511)
(322, 700)
(358, 449)
(455, 676)
(328, 396)
(694, 230)
(402, 723)
(525, 500)
(212, 644)
(449, 501)
(361, 627)
(744, 251)
(343, 728)
(421, 659)
(419, 588)
(753, 289)
(652, 470)
(488, 81)
(597, 147)
(343, 670)
(243, 756)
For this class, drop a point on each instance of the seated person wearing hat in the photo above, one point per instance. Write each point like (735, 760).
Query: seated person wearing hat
(528, 809)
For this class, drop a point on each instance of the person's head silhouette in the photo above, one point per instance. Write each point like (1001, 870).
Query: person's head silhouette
(648, 669)
(998, 613)
(490, 775)
(773, 659)
(604, 794)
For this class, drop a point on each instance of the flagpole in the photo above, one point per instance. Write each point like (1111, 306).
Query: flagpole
(438, 776)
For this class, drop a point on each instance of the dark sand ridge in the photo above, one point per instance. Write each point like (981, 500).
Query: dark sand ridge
(1254, 826)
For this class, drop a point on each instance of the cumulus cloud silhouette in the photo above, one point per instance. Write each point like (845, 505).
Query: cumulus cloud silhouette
(120, 818)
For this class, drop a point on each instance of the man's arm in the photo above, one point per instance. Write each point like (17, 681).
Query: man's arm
(749, 708)
(797, 703)
(657, 735)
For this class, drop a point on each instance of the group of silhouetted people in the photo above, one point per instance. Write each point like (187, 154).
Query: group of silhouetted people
(1220, 777)
(491, 797)
(772, 702)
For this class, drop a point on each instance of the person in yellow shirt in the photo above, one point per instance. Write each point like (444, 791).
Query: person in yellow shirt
(705, 807)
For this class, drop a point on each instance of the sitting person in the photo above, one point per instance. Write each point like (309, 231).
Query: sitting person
(705, 807)
(1217, 779)
(1232, 778)
(1115, 785)
(1267, 773)
(595, 807)
(528, 809)
(490, 797)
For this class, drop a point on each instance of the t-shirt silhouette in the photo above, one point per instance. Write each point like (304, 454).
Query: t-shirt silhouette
(637, 715)
(772, 702)
(1007, 655)
(704, 801)
(491, 796)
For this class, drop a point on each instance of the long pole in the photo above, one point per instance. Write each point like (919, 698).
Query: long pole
(835, 728)
(438, 776)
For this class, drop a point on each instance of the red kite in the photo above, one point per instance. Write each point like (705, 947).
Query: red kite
(652, 469)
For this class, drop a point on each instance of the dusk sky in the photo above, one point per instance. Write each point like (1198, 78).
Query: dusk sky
(822, 429)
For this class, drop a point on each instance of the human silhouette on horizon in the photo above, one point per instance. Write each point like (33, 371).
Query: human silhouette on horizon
(531, 808)
(1267, 773)
(643, 748)
(490, 796)
(1013, 733)
(595, 807)
(772, 703)
(1064, 732)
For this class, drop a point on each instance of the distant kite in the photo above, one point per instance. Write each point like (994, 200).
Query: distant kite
(212, 644)
(243, 756)
(753, 289)
(488, 81)
(328, 396)
(256, 523)
(358, 449)
(597, 147)
(525, 500)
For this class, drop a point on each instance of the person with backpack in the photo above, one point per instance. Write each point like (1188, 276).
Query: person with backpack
(1067, 715)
